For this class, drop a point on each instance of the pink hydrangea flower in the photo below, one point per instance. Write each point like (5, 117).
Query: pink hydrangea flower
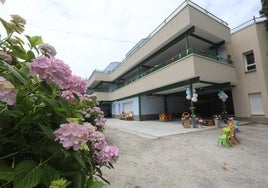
(90, 127)
(77, 84)
(69, 96)
(108, 154)
(100, 122)
(7, 92)
(52, 70)
(96, 136)
(104, 153)
(72, 135)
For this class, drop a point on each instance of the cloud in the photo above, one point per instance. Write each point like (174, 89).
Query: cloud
(90, 34)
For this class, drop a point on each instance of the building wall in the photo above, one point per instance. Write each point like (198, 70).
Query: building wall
(251, 38)
(125, 105)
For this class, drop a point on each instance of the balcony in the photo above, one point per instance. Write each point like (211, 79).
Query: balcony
(188, 64)
(177, 58)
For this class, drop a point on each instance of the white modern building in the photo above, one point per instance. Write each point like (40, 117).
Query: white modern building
(193, 49)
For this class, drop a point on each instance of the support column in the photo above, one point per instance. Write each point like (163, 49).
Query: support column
(192, 108)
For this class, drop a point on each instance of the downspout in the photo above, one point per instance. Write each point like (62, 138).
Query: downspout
(139, 115)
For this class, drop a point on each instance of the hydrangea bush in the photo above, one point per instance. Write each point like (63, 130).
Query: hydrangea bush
(51, 131)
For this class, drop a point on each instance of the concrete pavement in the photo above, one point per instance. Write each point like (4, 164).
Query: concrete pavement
(152, 129)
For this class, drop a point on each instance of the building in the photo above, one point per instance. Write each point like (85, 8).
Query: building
(192, 49)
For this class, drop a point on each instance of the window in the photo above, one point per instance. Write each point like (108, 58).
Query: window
(249, 61)
(256, 104)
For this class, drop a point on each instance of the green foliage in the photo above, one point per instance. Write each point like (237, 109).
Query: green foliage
(29, 155)
(264, 11)
(61, 183)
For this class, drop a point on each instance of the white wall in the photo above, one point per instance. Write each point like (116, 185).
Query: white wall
(118, 106)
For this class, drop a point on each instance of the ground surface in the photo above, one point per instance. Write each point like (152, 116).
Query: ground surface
(190, 160)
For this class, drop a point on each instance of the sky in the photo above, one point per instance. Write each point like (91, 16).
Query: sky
(90, 34)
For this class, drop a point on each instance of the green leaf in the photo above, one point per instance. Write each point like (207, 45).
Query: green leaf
(30, 55)
(26, 71)
(50, 101)
(19, 41)
(27, 174)
(66, 153)
(6, 172)
(34, 41)
(47, 88)
(15, 73)
(19, 52)
(79, 160)
(78, 180)
(49, 174)
(7, 26)
(48, 132)
(94, 184)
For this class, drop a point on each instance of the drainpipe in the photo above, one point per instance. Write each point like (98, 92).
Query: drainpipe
(139, 98)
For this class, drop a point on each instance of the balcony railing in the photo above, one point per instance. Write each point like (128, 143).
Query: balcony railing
(248, 23)
(172, 60)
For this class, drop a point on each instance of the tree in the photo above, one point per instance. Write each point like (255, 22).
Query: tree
(264, 11)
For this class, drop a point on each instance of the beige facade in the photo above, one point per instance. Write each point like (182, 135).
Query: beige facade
(191, 48)
(253, 38)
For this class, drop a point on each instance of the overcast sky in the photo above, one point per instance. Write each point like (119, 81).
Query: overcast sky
(89, 34)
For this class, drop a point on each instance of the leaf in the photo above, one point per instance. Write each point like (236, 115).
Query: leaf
(6, 172)
(19, 52)
(15, 73)
(50, 101)
(27, 174)
(47, 88)
(30, 55)
(26, 71)
(34, 41)
(49, 174)
(48, 132)
(19, 41)
(7, 26)
(94, 184)
(65, 153)
(78, 180)
(79, 160)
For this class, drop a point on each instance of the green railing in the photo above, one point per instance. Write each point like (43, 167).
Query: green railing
(176, 58)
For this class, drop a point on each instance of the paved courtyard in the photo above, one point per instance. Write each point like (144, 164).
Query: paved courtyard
(154, 156)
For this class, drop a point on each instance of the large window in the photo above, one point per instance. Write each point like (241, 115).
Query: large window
(250, 64)
(256, 104)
